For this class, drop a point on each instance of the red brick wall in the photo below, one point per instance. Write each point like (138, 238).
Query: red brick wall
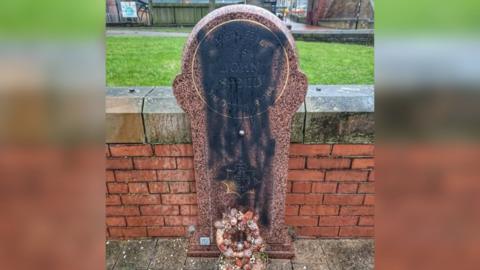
(151, 190)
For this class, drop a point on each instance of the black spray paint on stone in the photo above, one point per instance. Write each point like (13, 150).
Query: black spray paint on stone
(241, 63)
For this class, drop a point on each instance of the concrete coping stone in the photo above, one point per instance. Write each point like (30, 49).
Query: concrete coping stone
(340, 98)
(156, 116)
(123, 100)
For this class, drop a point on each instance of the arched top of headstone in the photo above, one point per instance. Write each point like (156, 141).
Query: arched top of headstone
(240, 62)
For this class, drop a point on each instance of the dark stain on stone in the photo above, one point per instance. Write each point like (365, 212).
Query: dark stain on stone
(241, 65)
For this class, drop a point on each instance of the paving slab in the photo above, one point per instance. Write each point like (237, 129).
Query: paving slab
(144, 33)
(113, 249)
(169, 254)
(135, 254)
(200, 264)
(309, 252)
(349, 254)
(309, 266)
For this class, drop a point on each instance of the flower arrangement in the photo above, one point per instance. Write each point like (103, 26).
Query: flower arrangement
(238, 239)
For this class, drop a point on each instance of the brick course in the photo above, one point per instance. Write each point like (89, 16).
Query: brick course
(151, 190)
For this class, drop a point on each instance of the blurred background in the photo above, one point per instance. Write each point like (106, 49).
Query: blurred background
(341, 14)
(144, 39)
(52, 75)
(427, 83)
(51, 134)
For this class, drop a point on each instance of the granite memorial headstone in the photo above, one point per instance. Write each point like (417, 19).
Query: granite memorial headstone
(240, 86)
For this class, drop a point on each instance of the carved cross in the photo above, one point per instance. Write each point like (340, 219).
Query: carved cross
(243, 176)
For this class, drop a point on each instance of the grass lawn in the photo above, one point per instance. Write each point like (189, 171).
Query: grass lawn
(149, 61)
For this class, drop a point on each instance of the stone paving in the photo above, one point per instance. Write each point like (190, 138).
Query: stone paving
(170, 254)
(143, 33)
(157, 31)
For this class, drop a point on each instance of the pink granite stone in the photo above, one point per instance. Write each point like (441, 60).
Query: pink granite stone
(240, 86)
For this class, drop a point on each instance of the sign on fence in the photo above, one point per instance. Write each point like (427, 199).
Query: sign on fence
(129, 9)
